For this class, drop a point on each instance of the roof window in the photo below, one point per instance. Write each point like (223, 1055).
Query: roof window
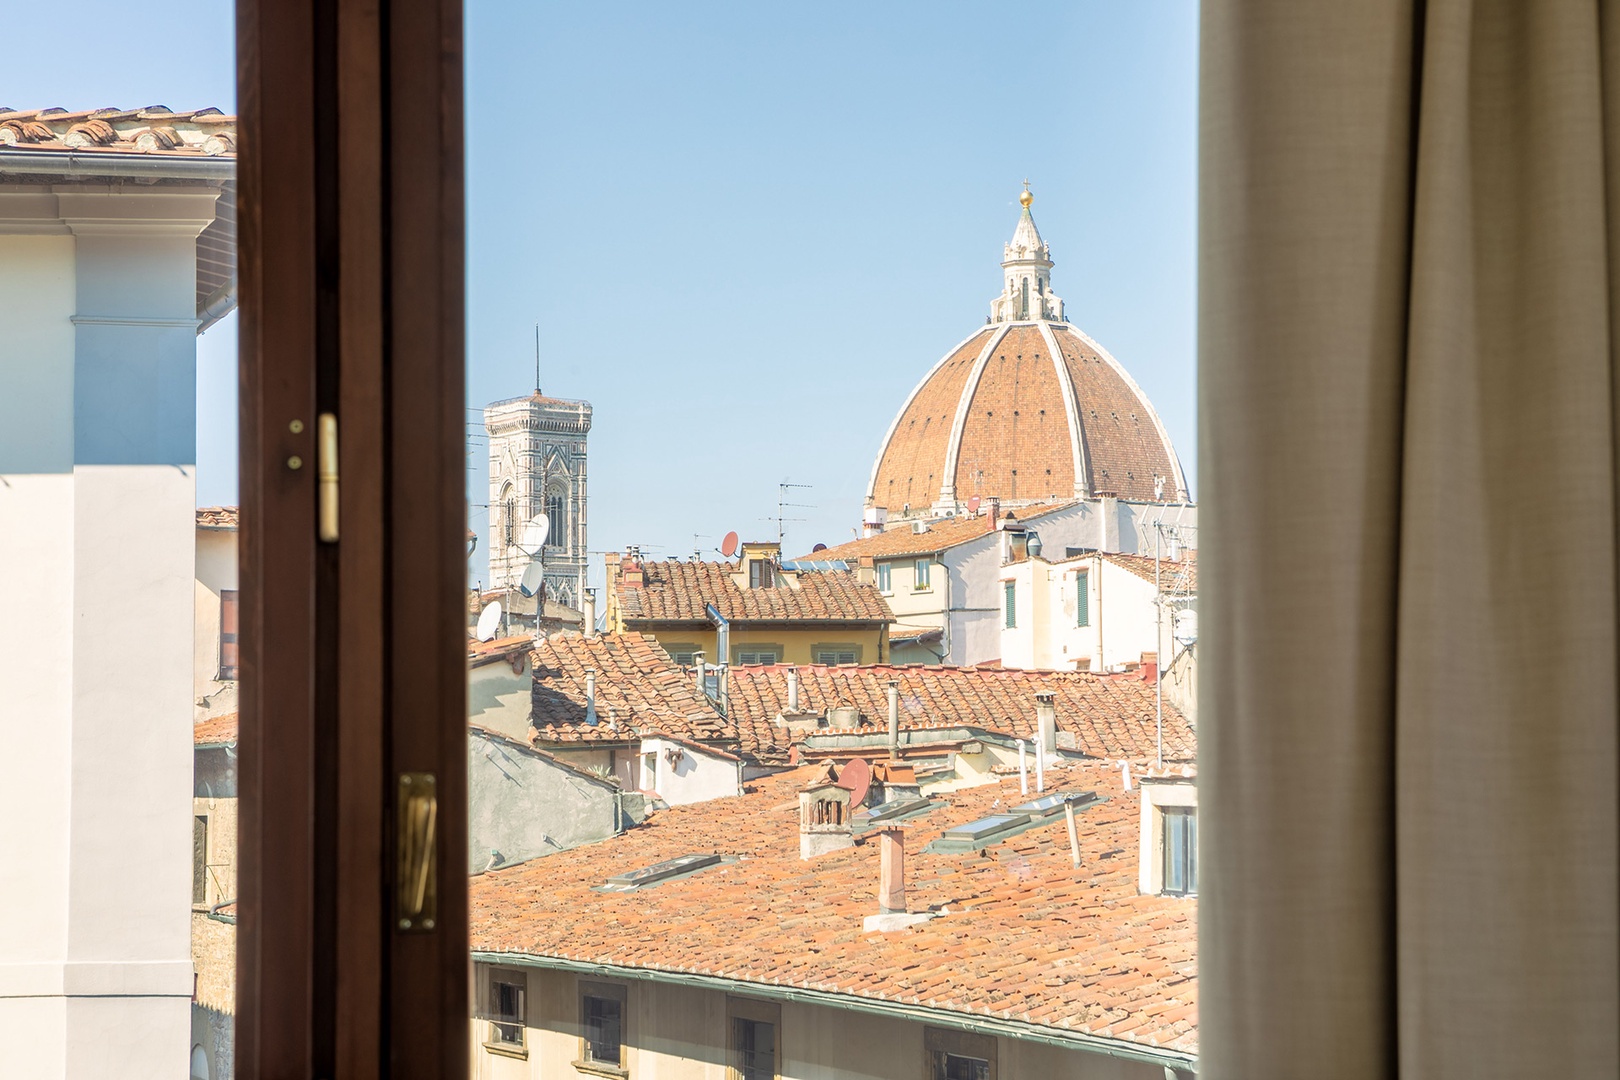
(659, 872)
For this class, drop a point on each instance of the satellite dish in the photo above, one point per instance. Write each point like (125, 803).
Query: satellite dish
(488, 621)
(855, 777)
(534, 535)
(973, 505)
(818, 547)
(534, 575)
(728, 546)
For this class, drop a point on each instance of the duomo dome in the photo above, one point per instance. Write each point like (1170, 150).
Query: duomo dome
(1027, 410)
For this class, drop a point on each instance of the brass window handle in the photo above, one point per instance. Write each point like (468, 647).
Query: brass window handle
(417, 892)
(326, 437)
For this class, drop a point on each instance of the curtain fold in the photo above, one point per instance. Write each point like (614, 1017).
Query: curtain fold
(1411, 771)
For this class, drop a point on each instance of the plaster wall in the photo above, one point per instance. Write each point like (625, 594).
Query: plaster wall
(500, 699)
(524, 805)
(694, 777)
(681, 1033)
(216, 573)
(97, 441)
(1122, 617)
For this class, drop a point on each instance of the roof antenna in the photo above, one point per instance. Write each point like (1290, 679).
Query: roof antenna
(536, 359)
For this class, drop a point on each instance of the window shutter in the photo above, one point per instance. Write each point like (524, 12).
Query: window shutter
(1082, 599)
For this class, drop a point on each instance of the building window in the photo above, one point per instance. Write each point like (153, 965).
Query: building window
(1180, 831)
(508, 516)
(833, 655)
(1009, 603)
(507, 1015)
(1082, 599)
(752, 1049)
(601, 1021)
(761, 574)
(921, 579)
(958, 1055)
(755, 655)
(683, 653)
(199, 859)
(228, 616)
(883, 583)
(556, 520)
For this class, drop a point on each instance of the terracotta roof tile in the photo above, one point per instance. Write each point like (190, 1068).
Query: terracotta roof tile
(901, 539)
(1108, 716)
(1022, 934)
(1175, 575)
(215, 731)
(150, 131)
(678, 591)
(639, 691)
(218, 517)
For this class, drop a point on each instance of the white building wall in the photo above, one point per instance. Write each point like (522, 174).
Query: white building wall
(97, 447)
(693, 777)
(216, 573)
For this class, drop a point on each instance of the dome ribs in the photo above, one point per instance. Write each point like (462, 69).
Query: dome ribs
(1124, 445)
(1015, 444)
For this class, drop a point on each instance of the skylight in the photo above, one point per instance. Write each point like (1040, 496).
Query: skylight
(662, 871)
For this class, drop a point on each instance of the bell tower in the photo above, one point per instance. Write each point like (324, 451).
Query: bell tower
(537, 460)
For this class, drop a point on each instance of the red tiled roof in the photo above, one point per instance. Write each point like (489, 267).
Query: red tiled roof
(638, 688)
(1175, 575)
(1109, 716)
(151, 131)
(215, 731)
(1022, 936)
(678, 591)
(901, 540)
(218, 517)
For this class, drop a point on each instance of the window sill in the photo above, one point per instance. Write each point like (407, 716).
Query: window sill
(507, 1050)
(922, 589)
(601, 1068)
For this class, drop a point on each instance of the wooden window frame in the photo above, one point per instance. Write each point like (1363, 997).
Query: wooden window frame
(353, 668)
(603, 991)
(884, 573)
(760, 1012)
(937, 1042)
(230, 641)
(922, 575)
(493, 1043)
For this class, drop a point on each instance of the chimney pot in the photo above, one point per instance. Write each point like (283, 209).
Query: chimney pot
(588, 610)
(1046, 720)
(590, 695)
(793, 689)
(892, 872)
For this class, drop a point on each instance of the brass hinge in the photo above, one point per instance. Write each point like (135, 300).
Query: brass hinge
(417, 893)
(327, 476)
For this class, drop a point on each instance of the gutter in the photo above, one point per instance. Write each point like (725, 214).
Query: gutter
(73, 165)
(220, 303)
(922, 1014)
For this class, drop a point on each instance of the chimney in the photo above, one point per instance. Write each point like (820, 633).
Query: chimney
(873, 520)
(992, 508)
(824, 824)
(894, 722)
(1150, 666)
(793, 689)
(1046, 721)
(630, 570)
(697, 664)
(892, 879)
(590, 696)
(589, 611)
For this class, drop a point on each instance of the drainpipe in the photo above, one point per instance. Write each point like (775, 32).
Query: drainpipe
(894, 720)
(793, 689)
(1023, 769)
(590, 697)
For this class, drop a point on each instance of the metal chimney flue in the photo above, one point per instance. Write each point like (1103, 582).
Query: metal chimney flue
(590, 696)
(1046, 721)
(894, 721)
(588, 610)
(793, 690)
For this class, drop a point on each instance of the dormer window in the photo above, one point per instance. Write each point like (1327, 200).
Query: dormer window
(761, 574)
(1168, 855)
(1179, 825)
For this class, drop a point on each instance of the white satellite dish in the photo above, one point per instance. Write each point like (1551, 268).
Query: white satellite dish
(534, 535)
(489, 620)
(533, 576)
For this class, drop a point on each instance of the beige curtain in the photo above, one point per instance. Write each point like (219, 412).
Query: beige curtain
(1410, 246)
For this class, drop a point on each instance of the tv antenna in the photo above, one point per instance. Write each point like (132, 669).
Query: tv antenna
(537, 359)
(783, 506)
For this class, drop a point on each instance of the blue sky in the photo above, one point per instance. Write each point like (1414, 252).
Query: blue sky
(747, 230)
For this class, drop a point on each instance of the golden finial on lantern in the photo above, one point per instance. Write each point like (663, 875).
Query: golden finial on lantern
(1026, 198)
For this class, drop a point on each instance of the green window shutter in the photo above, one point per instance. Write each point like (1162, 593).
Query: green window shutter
(1009, 591)
(1082, 599)
(199, 860)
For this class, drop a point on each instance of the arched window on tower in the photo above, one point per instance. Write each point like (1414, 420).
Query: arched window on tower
(1023, 301)
(508, 512)
(556, 519)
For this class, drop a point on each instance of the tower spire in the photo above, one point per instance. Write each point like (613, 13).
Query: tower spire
(1026, 267)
